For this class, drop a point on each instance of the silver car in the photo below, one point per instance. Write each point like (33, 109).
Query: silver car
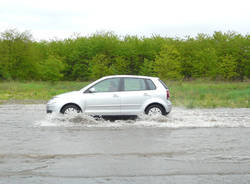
(116, 96)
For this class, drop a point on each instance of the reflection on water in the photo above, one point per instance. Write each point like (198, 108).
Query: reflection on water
(188, 146)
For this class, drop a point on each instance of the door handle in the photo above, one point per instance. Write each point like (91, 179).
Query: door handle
(115, 95)
(146, 94)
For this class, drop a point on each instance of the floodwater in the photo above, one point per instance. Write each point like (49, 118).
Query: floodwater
(188, 146)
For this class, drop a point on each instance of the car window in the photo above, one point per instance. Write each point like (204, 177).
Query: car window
(108, 85)
(151, 85)
(133, 84)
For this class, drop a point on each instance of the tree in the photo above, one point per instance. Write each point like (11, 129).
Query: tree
(51, 69)
(227, 67)
(81, 70)
(167, 64)
(147, 68)
(100, 66)
(120, 66)
(18, 56)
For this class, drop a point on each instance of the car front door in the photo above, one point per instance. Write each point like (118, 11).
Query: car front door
(133, 96)
(103, 98)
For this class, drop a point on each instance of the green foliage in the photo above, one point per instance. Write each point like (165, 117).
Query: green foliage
(100, 66)
(18, 59)
(167, 64)
(224, 56)
(227, 67)
(120, 66)
(80, 70)
(148, 68)
(51, 69)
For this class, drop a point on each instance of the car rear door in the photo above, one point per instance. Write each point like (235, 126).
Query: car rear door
(133, 96)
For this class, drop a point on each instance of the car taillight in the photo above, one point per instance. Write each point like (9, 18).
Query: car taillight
(168, 94)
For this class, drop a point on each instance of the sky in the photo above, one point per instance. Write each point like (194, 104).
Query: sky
(59, 19)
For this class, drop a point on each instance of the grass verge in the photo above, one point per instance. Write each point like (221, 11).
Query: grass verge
(190, 94)
(210, 94)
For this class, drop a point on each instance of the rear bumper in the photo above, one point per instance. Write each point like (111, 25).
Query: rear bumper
(168, 106)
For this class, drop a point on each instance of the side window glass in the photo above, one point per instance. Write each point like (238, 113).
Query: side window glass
(132, 84)
(151, 85)
(108, 85)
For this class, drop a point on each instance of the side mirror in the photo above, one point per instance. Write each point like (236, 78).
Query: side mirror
(92, 90)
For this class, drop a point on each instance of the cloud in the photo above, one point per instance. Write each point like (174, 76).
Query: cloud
(48, 19)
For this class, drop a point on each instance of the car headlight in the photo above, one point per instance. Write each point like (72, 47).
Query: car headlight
(52, 100)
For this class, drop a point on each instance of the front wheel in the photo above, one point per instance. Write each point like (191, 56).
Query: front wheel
(70, 109)
(155, 110)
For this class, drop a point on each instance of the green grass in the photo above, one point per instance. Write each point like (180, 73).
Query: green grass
(209, 94)
(190, 94)
(18, 91)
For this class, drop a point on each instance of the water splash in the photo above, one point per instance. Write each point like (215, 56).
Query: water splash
(178, 118)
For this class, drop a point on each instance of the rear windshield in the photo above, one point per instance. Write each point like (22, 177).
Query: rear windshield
(165, 86)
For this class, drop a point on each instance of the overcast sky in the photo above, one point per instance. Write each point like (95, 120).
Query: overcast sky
(50, 19)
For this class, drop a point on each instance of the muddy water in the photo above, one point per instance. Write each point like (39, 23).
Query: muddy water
(188, 146)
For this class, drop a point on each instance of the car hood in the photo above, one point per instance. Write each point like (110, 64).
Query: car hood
(68, 94)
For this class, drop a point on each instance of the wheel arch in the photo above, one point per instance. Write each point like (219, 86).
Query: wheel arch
(71, 103)
(155, 103)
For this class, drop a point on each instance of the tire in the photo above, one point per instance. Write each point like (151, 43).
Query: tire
(155, 110)
(70, 109)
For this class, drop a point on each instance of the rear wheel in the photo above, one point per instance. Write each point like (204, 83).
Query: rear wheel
(155, 110)
(70, 109)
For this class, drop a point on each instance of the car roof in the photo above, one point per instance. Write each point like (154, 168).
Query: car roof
(113, 76)
(129, 76)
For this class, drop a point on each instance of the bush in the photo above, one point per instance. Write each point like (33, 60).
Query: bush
(51, 69)
(100, 66)
(219, 56)
(167, 64)
(227, 68)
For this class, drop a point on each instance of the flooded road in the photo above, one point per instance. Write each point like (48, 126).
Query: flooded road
(188, 146)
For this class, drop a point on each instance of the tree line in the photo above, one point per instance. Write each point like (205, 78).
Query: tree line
(221, 56)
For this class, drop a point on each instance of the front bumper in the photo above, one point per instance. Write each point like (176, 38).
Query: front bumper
(49, 111)
(50, 108)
